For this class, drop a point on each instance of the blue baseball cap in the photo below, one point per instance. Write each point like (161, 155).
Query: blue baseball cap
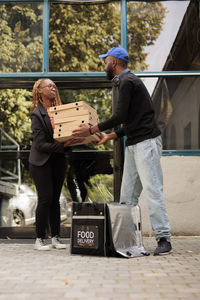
(118, 52)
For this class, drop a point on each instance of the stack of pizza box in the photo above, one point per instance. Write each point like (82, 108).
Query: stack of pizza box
(68, 117)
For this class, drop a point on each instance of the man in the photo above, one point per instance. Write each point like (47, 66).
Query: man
(142, 168)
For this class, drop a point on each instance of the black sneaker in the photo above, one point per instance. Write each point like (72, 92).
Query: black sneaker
(164, 247)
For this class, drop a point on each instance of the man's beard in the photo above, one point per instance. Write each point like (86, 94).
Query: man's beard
(109, 73)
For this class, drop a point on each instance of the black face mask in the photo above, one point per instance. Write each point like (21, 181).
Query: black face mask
(109, 72)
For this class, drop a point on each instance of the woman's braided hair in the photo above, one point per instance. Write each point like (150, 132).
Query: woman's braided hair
(36, 95)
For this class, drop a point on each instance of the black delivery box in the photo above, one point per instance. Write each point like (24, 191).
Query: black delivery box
(88, 229)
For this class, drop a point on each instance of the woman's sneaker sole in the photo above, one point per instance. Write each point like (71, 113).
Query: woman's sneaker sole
(43, 248)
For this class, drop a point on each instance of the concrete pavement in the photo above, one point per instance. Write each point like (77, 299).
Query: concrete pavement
(27, 274)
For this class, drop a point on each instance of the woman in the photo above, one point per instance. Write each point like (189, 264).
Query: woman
(47, 164)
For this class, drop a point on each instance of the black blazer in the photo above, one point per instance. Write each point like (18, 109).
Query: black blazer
(43, 144)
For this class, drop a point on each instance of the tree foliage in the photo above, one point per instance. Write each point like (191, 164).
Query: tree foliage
(14, 114)
(144, 24)
(20, 37)
(20, 51)
(79, 33)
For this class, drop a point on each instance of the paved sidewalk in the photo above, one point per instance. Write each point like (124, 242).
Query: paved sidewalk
(27, 274)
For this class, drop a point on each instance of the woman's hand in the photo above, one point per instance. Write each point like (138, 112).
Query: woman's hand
(73, 141)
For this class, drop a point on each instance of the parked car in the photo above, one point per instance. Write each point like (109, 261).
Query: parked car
(19, 210)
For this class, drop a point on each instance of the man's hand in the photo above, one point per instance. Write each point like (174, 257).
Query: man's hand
(83, 130)
(103, 139)
(106, 137)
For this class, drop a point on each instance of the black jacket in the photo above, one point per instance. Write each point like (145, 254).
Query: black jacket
(134, 111)
(43, 144)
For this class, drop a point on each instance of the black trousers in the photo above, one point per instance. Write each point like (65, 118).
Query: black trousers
(76, 185)
(48, 180)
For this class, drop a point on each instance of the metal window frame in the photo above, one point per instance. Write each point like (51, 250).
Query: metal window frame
(92, 75)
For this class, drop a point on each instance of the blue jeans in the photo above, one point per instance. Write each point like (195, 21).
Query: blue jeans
(142, 170)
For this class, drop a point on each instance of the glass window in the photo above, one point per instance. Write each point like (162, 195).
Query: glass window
(177, 103)
(187, 136)
(164, 35)
(80, 33)
(199, 127)
(21, 37)
(173, 137)
(88, 177)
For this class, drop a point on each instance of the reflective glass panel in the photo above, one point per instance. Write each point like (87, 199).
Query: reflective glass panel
(87, 179)
(21, 37)
(177, 106)
(89, 175)
(80, 33)
(164, 35)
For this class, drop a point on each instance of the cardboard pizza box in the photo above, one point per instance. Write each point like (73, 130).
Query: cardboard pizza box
(68, 117)
(84, 119)
(68, 106)
(87, 140)
(66, 127)
(72, 109)
(71, 125)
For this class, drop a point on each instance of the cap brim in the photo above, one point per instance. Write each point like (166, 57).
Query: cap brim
(125, 59)
(103, 55)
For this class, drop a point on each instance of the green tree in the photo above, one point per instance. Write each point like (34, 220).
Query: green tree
(14, 114)
(144, 24)
(20, 37)
(79, 33)
(20, 51)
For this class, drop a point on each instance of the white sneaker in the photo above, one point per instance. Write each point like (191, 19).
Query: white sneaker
(41, 245)
(57, 243)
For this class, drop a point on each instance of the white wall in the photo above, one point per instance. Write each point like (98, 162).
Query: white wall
(182, 194)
